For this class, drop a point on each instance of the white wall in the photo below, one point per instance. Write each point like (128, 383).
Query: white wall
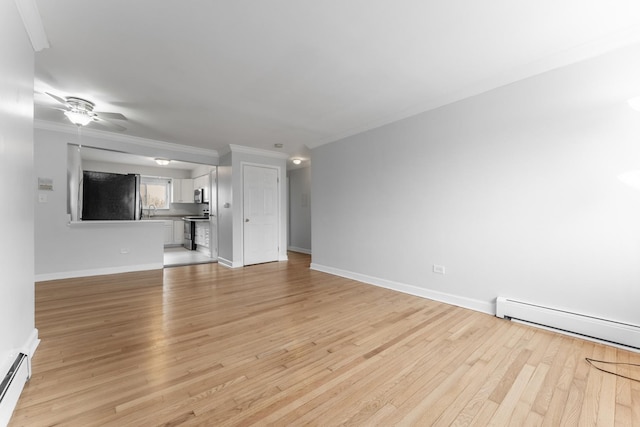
(230, 219)
(225, 212)
(85, 249)
(514, 191)
(300, 210)
(201, 170)
(91, 248)
(17, 185)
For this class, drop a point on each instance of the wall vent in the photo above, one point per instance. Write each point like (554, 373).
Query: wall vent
(11, 387)
(589, 327)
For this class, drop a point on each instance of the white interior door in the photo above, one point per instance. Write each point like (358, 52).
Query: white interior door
(261, 214)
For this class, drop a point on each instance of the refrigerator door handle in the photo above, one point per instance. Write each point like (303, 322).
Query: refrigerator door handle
(138, 199)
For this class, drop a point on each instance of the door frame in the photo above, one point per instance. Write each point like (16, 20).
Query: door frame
(279, 204)
(212, 177)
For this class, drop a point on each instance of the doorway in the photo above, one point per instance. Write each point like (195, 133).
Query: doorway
(261, 214)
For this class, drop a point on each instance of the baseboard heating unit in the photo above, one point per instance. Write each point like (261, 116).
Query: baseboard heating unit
(11, 387)
(588, 327)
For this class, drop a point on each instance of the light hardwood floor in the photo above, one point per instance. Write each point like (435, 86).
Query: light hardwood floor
(278, 344)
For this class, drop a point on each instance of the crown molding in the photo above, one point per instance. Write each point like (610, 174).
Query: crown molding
(28, 10)
(256, 151)
(127, 139)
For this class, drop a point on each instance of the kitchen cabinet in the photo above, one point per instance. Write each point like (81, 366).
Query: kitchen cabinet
(187, 190)
(168, 232)
(173, 232)
(178, 232)
(199, 182)
(182, 190)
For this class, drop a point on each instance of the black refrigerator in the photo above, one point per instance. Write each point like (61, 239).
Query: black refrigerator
(110, 196)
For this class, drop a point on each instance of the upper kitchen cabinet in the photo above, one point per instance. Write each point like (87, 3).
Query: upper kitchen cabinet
(182, 190)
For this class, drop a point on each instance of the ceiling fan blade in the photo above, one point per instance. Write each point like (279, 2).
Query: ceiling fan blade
(57, 98)
(106, 115)
(108, 125)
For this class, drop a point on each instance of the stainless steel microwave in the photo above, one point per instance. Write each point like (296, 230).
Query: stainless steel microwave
(198, 195)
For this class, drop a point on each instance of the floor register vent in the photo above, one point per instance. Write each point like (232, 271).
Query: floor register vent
(11, 387)
(575, 324)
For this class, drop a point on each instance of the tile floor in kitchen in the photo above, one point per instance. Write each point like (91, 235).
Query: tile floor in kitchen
(174, 256)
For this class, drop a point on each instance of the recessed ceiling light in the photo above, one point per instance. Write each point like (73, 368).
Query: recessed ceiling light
(296, 161)
(162, 162)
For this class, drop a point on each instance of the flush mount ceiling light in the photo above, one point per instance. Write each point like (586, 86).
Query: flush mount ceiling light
(296, 161)
(162, 162)
(80, 111)
(80, 118)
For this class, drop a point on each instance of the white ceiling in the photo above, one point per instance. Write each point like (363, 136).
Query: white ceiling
(300, 72)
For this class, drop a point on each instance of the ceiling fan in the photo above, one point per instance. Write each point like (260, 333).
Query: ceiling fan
(80, 112)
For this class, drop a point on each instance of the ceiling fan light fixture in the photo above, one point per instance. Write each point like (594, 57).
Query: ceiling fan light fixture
(80, 118)
(162, 162)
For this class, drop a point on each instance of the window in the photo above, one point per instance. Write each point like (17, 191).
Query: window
(155, 191)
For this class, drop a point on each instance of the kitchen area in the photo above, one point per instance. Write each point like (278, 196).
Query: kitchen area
(187, 238)
(187, 253)
(180, 195)
(153, 236)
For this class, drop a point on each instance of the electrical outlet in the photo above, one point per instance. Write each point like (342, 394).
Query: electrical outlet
(438, 269)
(42, 198)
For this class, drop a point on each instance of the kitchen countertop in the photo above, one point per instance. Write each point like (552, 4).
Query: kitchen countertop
(165, 217)
(155, 218)
(111, 222)
(195, 218)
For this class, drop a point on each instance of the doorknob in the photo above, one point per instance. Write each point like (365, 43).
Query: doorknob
(246, 220)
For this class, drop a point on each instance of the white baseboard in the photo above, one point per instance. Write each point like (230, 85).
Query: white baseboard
(299, 250)
(227, 263)
(29, 347)
(230, 264)
(473, 304)
(97, 272)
